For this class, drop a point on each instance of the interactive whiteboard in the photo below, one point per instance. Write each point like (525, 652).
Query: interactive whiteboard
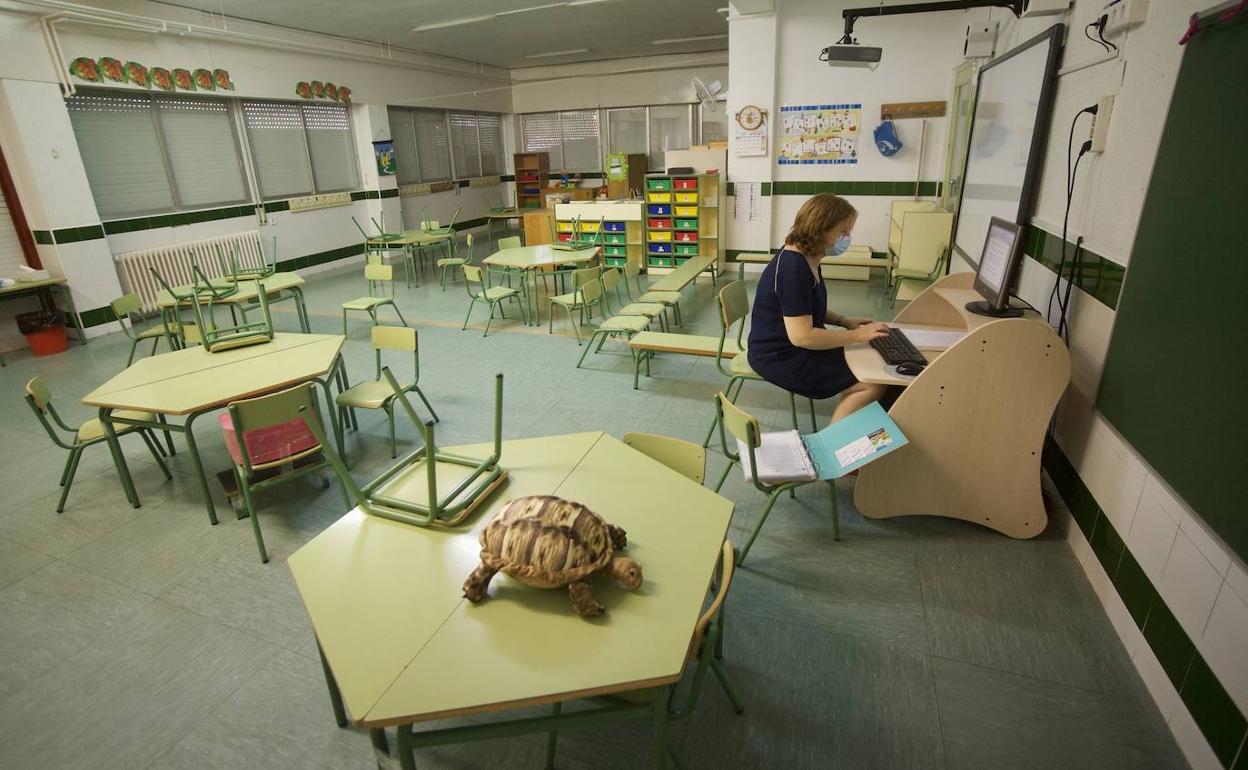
(1012, 105)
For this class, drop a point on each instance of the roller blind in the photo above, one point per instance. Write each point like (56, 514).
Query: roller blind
(202, 151)
(626, 128)
(464, 143)
(432, 145)
(540, 133)
(11, 254)
(490, 129)
(331, 145)
(279, 152)
(669, 130)
(404, 137)
(579, 129)
(121, 152)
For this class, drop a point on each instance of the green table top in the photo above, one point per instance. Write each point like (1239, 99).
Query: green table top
(246, 289)
(416, 237)
(24, 286)
(404, 645)
(532, 257)
(683, 275)
(193, 380)
(505, 214)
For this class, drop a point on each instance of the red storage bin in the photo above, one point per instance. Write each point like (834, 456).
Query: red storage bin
(685, 184)
(565, 237)
(686, 236)
(659, 224)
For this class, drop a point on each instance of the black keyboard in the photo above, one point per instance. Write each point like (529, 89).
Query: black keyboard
(897, 349)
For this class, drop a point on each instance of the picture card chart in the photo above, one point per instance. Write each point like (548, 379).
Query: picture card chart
(819, 134)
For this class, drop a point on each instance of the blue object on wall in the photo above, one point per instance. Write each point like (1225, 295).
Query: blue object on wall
(886, 139)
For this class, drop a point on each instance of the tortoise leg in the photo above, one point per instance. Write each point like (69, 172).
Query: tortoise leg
(478, 583)
(619, 538)
(583, 600)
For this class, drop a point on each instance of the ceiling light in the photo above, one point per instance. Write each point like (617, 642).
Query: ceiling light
(576, 3)
(451, 23)
(548, 54)
(692, 39)
(514, 11)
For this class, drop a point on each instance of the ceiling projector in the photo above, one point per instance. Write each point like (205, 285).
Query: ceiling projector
(841, 54)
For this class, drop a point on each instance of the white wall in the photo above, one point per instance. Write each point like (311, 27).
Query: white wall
(615, 83)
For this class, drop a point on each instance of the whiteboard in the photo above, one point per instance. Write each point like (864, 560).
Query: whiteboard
(1012, 105)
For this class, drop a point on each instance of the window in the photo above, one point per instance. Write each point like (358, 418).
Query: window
(714, 122)
(580, 140)
(540, 133)
(403, 135)
(490, 131)
(464, 143)
(300, 149)
(626, 128)
(425, 141)
(669, 130)
(432, 145)
(147, 154)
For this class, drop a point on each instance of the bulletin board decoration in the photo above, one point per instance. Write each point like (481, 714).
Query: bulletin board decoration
(110, 69)
(819, 134)
(316, 89)
(383, 150)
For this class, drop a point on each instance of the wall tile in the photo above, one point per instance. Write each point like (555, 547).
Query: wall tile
(1113, 475)
(1206, 542)
(1189, 584)
(1159, 686)
(1237, 580)
(1195, 747)
(1224, 644)
(1214, 711)
(1173, 647)
(1152, 535)
(1136, 590)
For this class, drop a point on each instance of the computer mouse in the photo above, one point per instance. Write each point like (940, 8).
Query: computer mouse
(910, 369)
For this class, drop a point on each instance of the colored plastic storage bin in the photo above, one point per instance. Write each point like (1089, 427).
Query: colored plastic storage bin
(565, 237)
(686, 211)
(660, 248)
(615, 261)
(615, 238)
(659, 224)
(686, 197)
(613, 227)
(687, 249)
(659, 197)
(659, 210)
(660, 262)
(615, 251)
(686, 224)
(685, 184)
(658, 184)
(660, 235)
(564, 227)
(589, 227)
(687, 236)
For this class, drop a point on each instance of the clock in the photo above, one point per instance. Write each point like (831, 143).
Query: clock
(751, 117)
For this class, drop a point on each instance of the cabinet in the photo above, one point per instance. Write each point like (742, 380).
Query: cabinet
(683, 218)
(622, 225)
(532, 170)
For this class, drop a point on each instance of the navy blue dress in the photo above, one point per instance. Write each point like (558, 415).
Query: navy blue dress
(788, 288)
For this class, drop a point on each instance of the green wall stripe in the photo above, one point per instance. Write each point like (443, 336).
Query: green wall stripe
(43, 237)
(848, 187)
(1213, 710)
(1098, 276)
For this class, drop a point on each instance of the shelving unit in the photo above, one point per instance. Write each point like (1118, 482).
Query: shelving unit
(532, 170)
(683, 219)
(623, 235)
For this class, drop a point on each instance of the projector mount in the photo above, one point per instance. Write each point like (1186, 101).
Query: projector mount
(852, 15)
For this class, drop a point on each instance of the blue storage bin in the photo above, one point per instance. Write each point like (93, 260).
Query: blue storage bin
(660, 248)
(613, 227)
(659, 209)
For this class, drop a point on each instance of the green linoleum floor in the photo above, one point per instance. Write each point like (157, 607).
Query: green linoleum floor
(146, 638)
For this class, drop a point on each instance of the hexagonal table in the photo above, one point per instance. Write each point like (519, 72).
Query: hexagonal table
(193, 381)
(402, 645)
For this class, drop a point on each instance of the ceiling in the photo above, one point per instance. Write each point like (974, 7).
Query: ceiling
(611, 29)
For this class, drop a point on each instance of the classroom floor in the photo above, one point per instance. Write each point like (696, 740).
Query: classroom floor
(147, 638)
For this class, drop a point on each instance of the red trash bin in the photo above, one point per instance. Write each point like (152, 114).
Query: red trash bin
(44, 331)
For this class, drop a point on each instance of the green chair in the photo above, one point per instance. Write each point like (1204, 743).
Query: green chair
(123, 307)
(685, 457)
(377, 394)
(586, 295)
(749, 436)
(269, 443)
(377, 247)
(670, 299)
(432, 227)
(448, 264)
(510, 242)
(491, 295)
(705, 653)
(90, 433)
(900, 274)
(734, 306)
(204, 293)
(612, 280)
(376, 278)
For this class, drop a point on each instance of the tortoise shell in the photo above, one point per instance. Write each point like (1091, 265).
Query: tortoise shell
(546, 541)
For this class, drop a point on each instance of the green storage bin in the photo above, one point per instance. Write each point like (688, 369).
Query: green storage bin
(686, 224)
(687, 249)
(660, 261)
(616, 251)
(658, 184)
(616, 261)
(619, 238)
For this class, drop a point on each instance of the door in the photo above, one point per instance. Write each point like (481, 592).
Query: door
(960, 117)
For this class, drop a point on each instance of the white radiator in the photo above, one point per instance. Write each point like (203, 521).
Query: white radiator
(174, 263)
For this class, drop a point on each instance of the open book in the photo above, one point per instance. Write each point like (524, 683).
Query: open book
(843, 446)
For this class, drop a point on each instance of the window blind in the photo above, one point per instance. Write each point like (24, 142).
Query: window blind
(202, 151)
(626, 128)
(714, 122)
(11, 254)
(279, 152)
(404, 136)
(490, 129)
(669, 130)
(580, 140)
(432, 145)
(465, 145)
(331, 146)
(540, 133)
(121, 151)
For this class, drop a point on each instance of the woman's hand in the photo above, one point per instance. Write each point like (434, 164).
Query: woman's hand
(868, 330)
(854, 323)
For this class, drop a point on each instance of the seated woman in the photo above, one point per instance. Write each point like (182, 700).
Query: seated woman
(789, 344)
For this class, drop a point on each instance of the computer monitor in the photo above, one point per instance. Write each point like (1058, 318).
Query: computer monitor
(1003, 248)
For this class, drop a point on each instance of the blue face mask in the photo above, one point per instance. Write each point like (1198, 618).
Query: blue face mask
(841, 246)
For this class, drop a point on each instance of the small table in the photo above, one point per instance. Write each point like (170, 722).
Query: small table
(192, 381)
(526, 259)
(274, 284)
(683, 275)
(46, 289)
(499, 215)
(410, 241)
(401, 644)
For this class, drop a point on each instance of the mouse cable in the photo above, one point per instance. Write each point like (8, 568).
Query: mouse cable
(1070, 140)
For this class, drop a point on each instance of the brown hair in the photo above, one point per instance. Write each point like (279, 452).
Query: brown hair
(815, 218)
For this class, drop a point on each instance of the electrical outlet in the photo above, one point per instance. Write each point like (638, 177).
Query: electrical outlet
(1125, 13)
(1100, 122)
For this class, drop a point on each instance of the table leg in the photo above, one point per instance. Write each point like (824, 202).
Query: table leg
(662, 698)
(204, 490)
(403, 747)
(302, 309)
(119, 459)
(335, 695)
(74, 318)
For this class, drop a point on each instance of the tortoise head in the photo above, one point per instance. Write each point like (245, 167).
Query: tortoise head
(625, 571)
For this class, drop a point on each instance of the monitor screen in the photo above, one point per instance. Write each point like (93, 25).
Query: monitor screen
(998, 261)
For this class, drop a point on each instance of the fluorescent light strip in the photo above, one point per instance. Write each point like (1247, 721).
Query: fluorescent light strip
(549, 54)
(451, 23)
(692, 39)
(530, 9)
(500, 14)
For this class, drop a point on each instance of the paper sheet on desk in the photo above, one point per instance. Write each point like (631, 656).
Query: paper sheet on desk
(931, 339)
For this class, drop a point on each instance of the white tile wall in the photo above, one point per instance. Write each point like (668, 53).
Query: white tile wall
(1113, 474)
(1189, 585)
(1223, 644)
(1152, 535)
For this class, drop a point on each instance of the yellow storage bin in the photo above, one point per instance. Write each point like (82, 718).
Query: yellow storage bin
(589, 227)
(564, 227)
(686, 197)
(686, 211)
(660, 235)
(661, 197)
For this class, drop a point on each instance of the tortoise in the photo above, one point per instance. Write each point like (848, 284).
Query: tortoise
(548, 542)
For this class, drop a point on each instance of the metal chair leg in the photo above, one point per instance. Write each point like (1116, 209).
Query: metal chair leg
(552, 738)
(251, 512)
(425, 401)
(771, 501)
(394, 451)
(75, 455)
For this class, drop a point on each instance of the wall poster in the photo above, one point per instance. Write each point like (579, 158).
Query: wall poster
(819, 134)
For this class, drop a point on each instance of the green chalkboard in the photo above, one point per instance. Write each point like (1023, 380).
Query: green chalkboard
(1175, 383)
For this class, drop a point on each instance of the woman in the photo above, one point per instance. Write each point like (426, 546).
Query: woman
(789, 344)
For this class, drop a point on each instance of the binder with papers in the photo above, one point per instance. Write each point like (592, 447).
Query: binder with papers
(844, 446)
